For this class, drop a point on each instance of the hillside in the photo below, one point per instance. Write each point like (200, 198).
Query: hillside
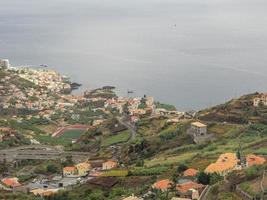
(147, 146)
(238, 111)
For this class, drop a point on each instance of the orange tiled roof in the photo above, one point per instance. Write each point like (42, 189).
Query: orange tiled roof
(190, 172)
(185, 187)
(254, 160)
(163, 184)
(11, 182)
(198, 124)
(110, 162)
(44, 192)
(48, 193)
(226, 161)
(69, 169)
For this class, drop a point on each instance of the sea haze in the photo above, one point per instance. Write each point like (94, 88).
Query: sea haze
(190, 53)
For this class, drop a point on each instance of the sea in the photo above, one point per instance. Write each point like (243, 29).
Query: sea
(190, 53)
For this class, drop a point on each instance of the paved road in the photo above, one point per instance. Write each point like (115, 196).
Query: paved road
(40, 152)
(205, 193)
(129, 125)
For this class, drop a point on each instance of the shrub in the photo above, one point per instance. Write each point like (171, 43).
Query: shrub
(253, 172)
(181, 168)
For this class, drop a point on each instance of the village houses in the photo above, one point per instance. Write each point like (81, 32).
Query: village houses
(79, 170)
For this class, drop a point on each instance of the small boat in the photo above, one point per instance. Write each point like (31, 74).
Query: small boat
(130, 92)
(43, 66)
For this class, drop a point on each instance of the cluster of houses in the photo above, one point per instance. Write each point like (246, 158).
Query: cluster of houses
(135, 106)
(229, 162)
(71, 175)
(43, 101)
(46, 99)
(31, 98)
(83, 169)
(50, 79)
(187, 187)
(139, 107)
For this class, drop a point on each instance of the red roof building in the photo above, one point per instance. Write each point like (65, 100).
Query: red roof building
(162, 185)
(190, 172)
(254, 160)
(11, 182)
(185, 187)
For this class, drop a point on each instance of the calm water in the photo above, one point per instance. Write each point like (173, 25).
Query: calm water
(191, 53)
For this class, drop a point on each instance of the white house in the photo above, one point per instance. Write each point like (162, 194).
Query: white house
(4, 63)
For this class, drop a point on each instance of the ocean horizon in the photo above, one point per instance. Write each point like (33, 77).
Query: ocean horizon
(189, 53)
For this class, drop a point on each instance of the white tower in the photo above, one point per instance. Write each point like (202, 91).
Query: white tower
(4, 63)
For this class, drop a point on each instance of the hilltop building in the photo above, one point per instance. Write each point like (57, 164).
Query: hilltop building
(4, 63)
(262, 99)
(198, 131)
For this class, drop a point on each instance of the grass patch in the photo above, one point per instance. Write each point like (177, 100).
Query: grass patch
(46, 139)
(116, 173)
(124, 136)
(220, 130)
(72, 133)
(170, 160)
(148, 171)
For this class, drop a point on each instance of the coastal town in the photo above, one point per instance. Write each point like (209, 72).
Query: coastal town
(97, 145)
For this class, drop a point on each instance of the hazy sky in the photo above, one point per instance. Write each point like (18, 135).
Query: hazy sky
(191, 53)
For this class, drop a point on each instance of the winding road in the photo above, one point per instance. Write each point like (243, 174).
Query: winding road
(129, 125)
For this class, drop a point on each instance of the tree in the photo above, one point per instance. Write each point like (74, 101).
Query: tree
(203, 178)
(51, 168)
(68, 161)
(238, 154)
(181, 168)
(96, 195)
(175, 180)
